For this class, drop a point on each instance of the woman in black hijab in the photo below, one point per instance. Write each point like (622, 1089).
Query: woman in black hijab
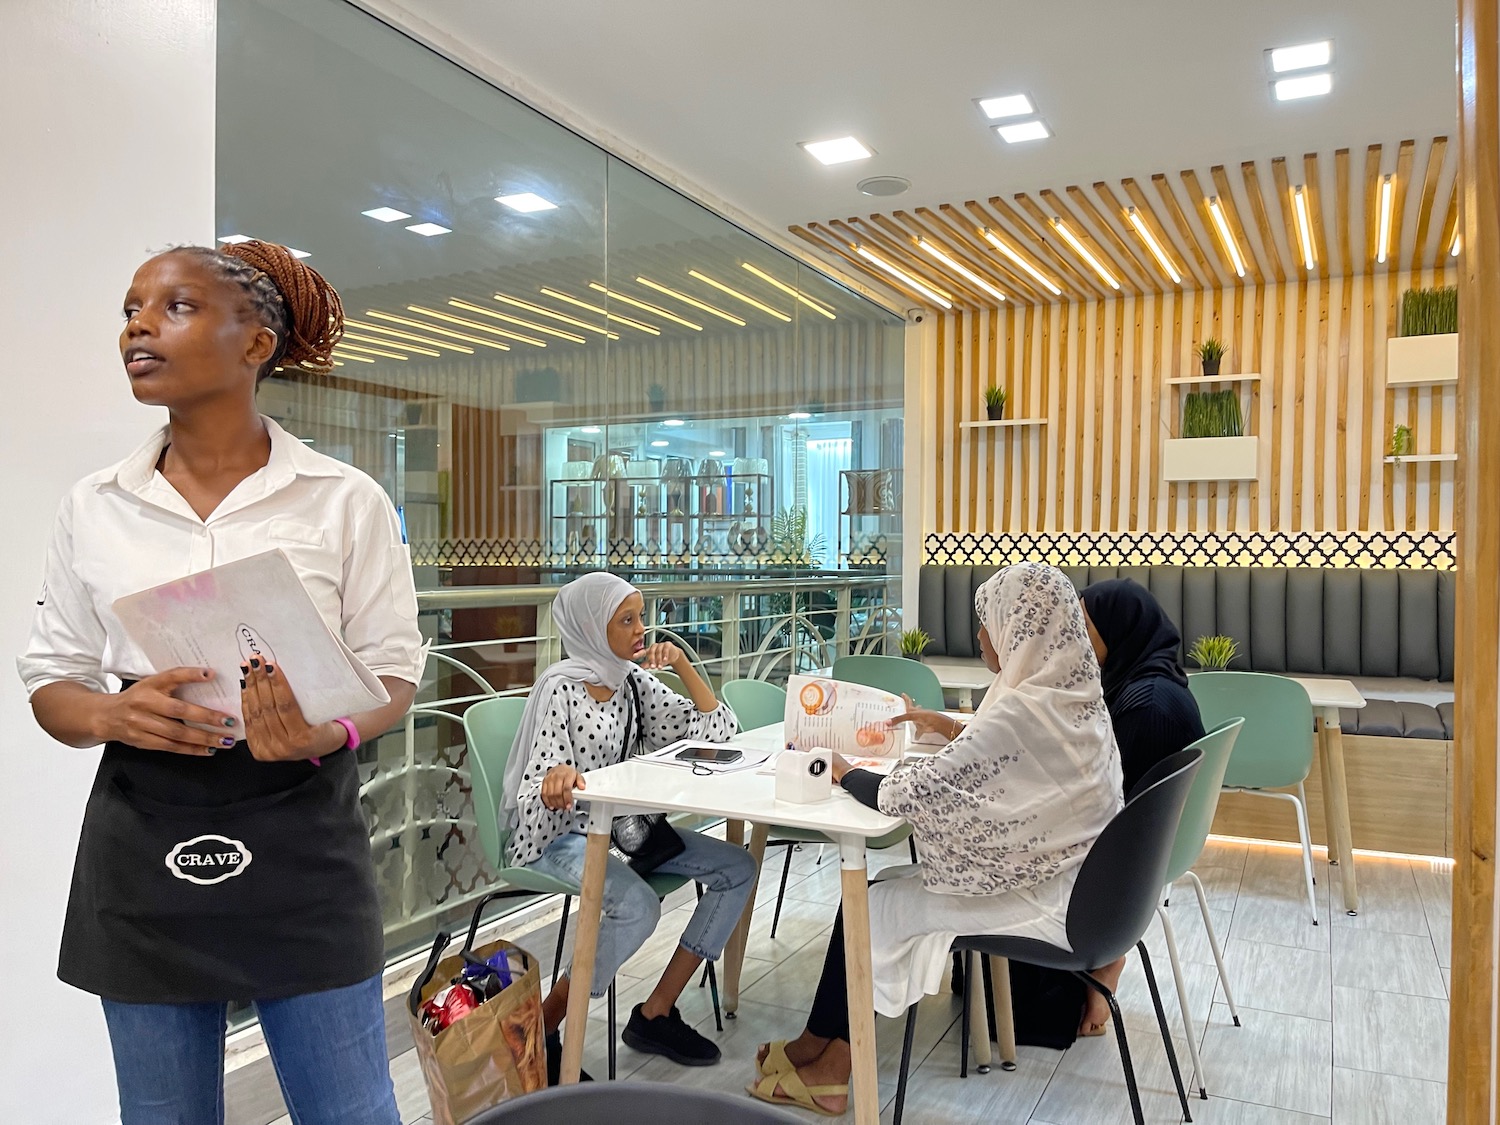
(1145, 688)
(1154, 716)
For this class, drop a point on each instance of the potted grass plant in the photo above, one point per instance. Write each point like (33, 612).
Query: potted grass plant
(1401, 443)
(1211, 353)
(1212, 443)
(1213, 653)
(1426, 351)
(994, 402)
(914, 642)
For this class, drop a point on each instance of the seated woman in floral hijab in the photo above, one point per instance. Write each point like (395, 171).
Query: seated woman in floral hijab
(1003, 817)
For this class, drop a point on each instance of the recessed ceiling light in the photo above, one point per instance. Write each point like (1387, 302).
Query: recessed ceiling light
(590, 429)
(1011, 105)
(660, 444)
(235, 239)
(673, 422)
(294, 252)
(718, 453)
(1303, 86)
(385, 214)
(839, 150)
(1023, 131)
(526, 202)
(883, 185)
(1303, 56)
(798, 415)
(429, 229)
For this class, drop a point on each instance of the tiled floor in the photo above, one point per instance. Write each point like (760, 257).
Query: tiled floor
(1343, 1023)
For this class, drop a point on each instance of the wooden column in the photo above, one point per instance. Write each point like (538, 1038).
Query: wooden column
(1471, 1044)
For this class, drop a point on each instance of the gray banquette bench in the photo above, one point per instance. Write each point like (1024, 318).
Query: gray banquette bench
(1388, 631)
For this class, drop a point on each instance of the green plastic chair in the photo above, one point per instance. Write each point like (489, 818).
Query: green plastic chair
(490, 730)
(894, 674)
(1274, 749)
(1197, 818)
(673, 681)
(756, 704)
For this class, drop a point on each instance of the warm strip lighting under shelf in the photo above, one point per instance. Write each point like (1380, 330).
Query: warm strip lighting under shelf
(1304, 227)
(1015, 256)
(1226, 236)
(1157, 252)
(1383, 227)
(959, 268)
(1083, 252)
(816, 306)
(904, 277)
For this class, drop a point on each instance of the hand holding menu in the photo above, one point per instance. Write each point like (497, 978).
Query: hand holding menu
(256, 607)
(849, 719)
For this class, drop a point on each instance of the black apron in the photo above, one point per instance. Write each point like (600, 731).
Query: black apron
(221, 879)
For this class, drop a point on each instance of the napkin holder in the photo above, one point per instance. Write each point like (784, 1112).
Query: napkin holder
(804, 777)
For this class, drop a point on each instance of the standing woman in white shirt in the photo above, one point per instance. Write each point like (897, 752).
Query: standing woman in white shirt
(234, 865)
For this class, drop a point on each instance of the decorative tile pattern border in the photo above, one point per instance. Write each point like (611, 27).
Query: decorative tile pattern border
(1415, 550)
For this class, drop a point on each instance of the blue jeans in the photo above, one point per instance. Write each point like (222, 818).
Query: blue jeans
(328, 1049)
(631, 908)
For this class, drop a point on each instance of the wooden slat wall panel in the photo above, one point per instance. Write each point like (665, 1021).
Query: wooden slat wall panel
(1097, 371)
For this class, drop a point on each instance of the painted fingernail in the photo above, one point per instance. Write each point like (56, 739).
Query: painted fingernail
(242, 685)
(228, 722)
(270, 671)
(254, 662)
(212, 750)
(226, 742)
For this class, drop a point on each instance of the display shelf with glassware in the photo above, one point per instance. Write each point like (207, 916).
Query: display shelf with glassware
(869, 516)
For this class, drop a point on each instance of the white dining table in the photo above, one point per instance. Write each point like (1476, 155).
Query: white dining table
(1328, 697)
(636, 785)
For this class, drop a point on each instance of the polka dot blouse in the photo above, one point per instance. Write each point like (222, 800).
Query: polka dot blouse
(581, 732)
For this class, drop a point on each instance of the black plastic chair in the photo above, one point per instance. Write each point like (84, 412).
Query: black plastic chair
(1113, 901)
(632, 1103)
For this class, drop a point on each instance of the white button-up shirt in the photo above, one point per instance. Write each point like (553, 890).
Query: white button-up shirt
(126, 529)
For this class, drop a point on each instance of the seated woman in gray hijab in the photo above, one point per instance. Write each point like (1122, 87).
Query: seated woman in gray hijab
(592, 710)
(1003, 817)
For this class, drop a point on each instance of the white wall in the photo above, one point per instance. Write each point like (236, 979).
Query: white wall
(109, 111)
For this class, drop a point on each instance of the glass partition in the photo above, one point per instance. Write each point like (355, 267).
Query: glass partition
(554, 363)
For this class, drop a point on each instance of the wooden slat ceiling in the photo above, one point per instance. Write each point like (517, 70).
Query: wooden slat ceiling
(1095, 241)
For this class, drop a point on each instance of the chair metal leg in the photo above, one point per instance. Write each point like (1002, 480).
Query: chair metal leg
(562, 936)
(713, 991)
(1166, 1032)
(1182, 1003)
(612, 1035)
(1302, 796)
(1307, 863)
(911, 1028)
(1120, 1038)
(1213, 943)
(963, 1057)
(786, 869)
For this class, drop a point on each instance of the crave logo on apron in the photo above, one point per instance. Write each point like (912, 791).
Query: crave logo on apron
(209, 859)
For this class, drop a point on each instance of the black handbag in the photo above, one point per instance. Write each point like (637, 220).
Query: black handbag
(644, 840)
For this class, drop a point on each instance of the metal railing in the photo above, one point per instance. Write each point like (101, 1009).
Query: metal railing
(416, 790)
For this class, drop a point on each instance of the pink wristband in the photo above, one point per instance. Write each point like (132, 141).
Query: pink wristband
(353, 731)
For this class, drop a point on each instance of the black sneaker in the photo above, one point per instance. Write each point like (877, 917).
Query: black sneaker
(668, 1035)
(554, 1062)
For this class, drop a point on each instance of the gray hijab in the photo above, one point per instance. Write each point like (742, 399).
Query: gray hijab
(582, 612)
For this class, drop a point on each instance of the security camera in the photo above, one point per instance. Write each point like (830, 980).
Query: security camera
(916, 316)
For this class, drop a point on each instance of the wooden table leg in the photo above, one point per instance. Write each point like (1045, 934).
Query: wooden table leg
(864, 1088)
(734, 952)
(1338, 787)
(979, 1018)
(585, 945)
(1005, 1020)
(1330, 815)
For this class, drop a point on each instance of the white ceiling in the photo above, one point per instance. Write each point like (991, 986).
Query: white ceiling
(722, 92)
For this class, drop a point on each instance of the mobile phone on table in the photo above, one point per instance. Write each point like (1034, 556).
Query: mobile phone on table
(720, 755)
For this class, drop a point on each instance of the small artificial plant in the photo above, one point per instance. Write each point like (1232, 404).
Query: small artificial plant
(1429, 312)
(1401, 442)
(914, 642)
(1213, 654)
(994, 402)
(790, 541)
(1211, 351)
(1212, 414)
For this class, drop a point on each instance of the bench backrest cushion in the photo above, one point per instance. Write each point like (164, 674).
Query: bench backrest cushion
(1298, 620)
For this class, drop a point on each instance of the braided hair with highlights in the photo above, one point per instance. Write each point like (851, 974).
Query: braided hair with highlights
(287, 296)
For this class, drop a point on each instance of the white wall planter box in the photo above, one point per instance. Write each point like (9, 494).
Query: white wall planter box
(1222, 458)
(1421, 361)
